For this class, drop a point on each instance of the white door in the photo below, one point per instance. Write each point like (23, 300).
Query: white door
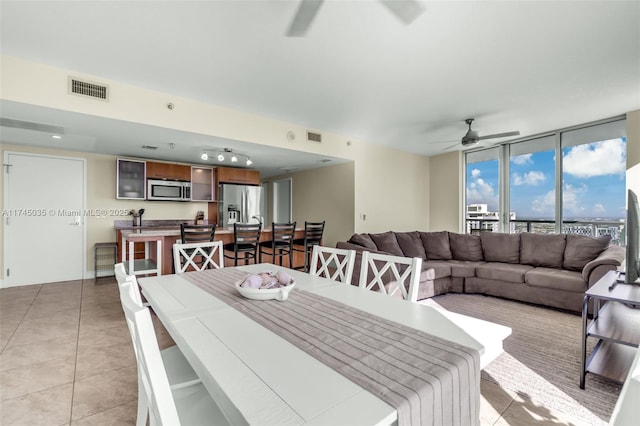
(44, 219)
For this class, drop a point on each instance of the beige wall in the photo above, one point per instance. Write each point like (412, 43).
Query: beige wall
(326, 193)
(446, 186)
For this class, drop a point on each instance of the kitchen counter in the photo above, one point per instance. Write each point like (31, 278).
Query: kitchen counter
(167, 234)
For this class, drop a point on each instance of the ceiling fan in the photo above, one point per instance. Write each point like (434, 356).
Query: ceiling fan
(471, 138)
(405, 10)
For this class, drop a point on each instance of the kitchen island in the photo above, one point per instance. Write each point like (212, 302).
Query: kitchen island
(167, 232)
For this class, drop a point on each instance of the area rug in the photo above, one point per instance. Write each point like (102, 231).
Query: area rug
(542, 356)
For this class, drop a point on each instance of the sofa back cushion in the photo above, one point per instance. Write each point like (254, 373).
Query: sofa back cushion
(436, 244)
(542, 249)
(387, 243)
(500, 247)
(581, 249)
(411, 244)
(465, 247)
(363, 240)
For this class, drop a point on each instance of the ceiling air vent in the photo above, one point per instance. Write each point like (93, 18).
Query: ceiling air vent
(314, 137)
(29, 125)
(85, 88)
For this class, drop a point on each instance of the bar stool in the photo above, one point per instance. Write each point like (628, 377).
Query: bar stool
(312, 237)
(105, 256)
(281, 243)
(246, 238)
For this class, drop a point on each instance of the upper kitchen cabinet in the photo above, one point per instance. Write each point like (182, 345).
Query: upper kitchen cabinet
(237, 175)
(168, 171)
(130, 179)
(202, 184)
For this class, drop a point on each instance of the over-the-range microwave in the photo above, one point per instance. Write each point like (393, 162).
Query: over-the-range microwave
(168, 190)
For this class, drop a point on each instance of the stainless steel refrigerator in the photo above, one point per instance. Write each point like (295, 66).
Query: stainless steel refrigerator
(239, 203)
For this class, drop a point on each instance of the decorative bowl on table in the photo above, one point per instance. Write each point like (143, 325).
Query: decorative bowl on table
(266, 286)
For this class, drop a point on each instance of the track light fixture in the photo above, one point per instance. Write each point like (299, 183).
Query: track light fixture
(222, 155)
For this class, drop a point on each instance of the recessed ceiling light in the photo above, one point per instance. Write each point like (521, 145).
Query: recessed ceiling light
(56, 137)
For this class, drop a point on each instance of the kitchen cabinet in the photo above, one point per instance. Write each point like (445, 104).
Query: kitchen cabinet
(202, 184)
(130, 179)
(168, 171)
(237, 175)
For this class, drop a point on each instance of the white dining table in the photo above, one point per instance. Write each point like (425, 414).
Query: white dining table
(258, 378)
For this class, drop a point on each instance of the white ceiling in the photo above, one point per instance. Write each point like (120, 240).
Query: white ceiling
(359, 72)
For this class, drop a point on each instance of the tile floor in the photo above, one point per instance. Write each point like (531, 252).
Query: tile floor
(66, 359)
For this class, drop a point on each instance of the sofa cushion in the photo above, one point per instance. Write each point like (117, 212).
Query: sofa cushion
(411, 244)
(436, 244)
(503, 271)
(581, 249)
(441, 268)
(463, 268)
(557, 279)
(387, 243)
(500, 247)
(542, 249)
(465, 247)
(363, 240)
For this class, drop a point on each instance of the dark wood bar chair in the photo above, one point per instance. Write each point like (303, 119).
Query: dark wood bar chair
(281, 243)
(196, 234)
(246, 238)
(312, 237)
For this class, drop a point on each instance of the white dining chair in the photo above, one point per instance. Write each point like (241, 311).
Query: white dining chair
(333, 263)
(199, 256)
(391, 274)
(190, 405)
(178, 370)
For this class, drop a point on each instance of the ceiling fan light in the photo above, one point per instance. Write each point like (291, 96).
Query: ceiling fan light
(220, 157)
(204, 156)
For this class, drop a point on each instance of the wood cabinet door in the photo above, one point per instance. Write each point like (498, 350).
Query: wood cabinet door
(168, 171)
(233, 175)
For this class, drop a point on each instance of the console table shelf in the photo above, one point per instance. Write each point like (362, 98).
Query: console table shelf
(616, 325)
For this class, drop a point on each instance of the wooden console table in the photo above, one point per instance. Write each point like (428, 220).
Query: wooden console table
(615, 324)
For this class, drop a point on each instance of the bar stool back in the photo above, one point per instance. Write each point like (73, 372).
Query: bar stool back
(246, 238)
(281, 243)
(312, 237)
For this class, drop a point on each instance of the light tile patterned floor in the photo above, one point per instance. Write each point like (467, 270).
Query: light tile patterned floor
(66, 359)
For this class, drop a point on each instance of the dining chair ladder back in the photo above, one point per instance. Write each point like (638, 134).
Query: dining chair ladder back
(333, 263)
(391, 274)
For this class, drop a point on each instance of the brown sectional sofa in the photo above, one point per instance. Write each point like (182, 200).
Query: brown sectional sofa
(545, 269)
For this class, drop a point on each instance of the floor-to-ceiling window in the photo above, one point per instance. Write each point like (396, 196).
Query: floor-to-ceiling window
(570, 180)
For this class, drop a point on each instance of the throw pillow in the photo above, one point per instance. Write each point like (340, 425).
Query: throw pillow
(411, 244)
(466, 247)
(542, 249)
(500, 247)
(387, 243)
(581, 249)
(363, 240)
(436, 244)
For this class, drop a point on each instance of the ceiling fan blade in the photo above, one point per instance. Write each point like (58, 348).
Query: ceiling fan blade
(455, 145)
(304, 17)
(405, 10)
(500, 135)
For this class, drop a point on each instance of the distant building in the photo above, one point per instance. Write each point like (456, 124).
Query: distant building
(479, 218)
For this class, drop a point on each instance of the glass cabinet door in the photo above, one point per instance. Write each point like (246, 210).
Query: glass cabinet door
(130, 180)
(202, 184)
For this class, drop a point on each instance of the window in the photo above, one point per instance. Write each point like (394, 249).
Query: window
(570, 181)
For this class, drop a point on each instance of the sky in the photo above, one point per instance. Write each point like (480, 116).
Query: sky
(593, 182)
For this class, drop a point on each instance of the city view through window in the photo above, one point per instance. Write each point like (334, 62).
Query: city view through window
(593, 191)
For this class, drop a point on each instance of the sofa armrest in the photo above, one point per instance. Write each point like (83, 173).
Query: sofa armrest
(608, 260)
